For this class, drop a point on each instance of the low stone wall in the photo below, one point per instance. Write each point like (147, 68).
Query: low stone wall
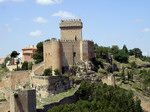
(66, 100)
(48, 85)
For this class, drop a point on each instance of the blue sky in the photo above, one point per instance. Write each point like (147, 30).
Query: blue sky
(106, 22)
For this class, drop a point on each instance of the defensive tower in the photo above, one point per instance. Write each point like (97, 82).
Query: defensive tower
(71, 29)
(52, 54)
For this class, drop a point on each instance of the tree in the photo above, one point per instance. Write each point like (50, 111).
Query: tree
(121, 56)
(137, 52)
(102, 52)
(25, 65)
(38, 56)
(125, 49)
(5, 61)
(98, 97)
(95, 46)
(30, 65)
(13, 55)
(114, 49)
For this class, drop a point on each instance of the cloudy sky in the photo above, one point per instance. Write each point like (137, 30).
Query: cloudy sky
(107, 22)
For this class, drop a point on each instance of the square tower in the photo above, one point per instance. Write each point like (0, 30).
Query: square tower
(23, 101)
(71, 29)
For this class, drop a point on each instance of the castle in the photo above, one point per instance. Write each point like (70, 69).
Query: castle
(71, 48)
(58, 54)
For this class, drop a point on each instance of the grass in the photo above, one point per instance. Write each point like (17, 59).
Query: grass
(3, 72)
(55, 98)
(137, 60)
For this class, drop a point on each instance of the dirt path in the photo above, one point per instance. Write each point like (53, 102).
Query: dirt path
(145, 101)
(145, 105)
(4, 106)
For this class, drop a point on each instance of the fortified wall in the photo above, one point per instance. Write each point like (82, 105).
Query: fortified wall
(49, 85)
(15, 79)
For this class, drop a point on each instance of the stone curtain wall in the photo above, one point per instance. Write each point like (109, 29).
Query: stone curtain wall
(68, 47)
(66, 100)
(15, 79)
(48, 85)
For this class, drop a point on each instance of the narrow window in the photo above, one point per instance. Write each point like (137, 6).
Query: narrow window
(75, 38)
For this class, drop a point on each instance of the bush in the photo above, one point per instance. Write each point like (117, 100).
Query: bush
(47, 72)
(133, 64)
(24, 66)
(57, 72)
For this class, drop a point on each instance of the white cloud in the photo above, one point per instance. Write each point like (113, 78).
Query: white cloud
(146, 30)
(40, 20)
(36, 33)
(64, 14)
(48, 2)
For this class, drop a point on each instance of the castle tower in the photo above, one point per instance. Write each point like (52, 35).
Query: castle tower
(52, 54)
(71, 29)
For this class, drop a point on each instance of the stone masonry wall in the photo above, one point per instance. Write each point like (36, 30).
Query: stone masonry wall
(52, 55)
(68, 47)
(14, 79)
(71, 29)
(47, 85)
(23, 101)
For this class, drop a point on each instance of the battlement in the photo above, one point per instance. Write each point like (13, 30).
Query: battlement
(67, 41)
(58, 40)
(71, 23)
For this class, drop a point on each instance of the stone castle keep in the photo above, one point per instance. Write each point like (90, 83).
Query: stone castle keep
(71, 48)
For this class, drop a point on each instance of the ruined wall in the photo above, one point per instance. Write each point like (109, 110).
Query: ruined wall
(23, 101)
(109, 80)
(48, 85)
